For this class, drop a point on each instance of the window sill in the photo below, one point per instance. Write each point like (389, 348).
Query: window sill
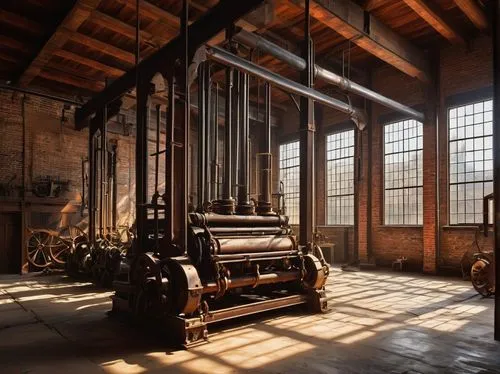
(460, 227)
(335, 226)
(400, 226)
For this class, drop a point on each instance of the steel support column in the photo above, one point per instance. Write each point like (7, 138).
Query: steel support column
(183, 218)
(169, 161)
(141, 160)
(215, 157)
(496, 150)
(307, 130)
(93, 132)
(202, 134)
(208, 135)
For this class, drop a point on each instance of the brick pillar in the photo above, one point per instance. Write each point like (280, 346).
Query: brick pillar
(362, 154)
(430, 173)
(320, 146)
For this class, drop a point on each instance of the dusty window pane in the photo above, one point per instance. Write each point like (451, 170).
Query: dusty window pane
(471, 166)
(289, 175)
(403, 173)
(340, 178)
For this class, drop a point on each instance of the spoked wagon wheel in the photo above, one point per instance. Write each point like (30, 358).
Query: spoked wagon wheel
(37, 248)
(59, 249)
(65, 243)
(481, 277)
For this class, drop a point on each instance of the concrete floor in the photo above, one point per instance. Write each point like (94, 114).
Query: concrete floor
(379, 323)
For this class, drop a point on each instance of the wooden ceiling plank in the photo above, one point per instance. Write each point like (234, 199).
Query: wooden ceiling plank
(15, 44)
(348, 19)
(109, 70)
(119, 26)
(75, 17)
(21, 22)
(433, 15)
(108, 49)
(58, 76)
(474, 12)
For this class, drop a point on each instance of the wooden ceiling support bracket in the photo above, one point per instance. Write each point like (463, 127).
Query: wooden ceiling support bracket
(350, 20)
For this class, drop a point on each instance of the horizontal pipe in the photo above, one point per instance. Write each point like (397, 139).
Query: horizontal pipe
(257, 255)
(247, 230)
(252, 280)
(256, 41)
(229, 59)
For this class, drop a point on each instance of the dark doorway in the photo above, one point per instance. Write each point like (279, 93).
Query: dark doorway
(10, 243)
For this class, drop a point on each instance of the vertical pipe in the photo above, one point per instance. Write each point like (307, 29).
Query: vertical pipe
(157, 171)
(267, 120)
(185, 76)
(141, 162)
(496, 141)
(115, 190)
(169, 161)
(264, 204)
(92, 177)
(236, 122)
(215, 160)
(103, 174)
(208, 135)
(226, 187)
(307, 129)
(201, 136)
(244, 205)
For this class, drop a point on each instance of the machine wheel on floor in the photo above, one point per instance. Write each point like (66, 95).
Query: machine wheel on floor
(37, 246)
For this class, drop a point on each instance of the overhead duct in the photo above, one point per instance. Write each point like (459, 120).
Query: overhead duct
(255, 41)
(222, 56)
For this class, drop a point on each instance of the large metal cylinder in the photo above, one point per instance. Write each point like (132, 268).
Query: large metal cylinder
(246, 244)
(221, 220)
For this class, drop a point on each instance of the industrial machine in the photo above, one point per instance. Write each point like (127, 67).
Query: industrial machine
(241, 257)
(222, 254)
(482, 271)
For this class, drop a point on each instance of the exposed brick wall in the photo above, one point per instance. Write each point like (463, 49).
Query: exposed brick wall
(53, 148)
(460, 71)
(56, 150)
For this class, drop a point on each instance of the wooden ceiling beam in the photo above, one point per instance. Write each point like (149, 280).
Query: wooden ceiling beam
(123, 28)
(62, 77)
(21, 22)
(153, 12)
(118, 53)
(349, 20)
(434, 16)
(370, 5)
(474, 12)
(70, 24)
(96, 65)
(15, 44)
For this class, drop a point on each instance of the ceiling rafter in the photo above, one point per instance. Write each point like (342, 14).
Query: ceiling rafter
(125, 29)
(349, 20)
(75, 17)
(96, 65)
(17, 21)
(118, 53)
(474, 12)
(55, 75)
(435, 17)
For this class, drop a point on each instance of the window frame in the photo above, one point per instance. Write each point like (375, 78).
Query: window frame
(466, 99)
(283, 142)
(332, 132)
(390, 121)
